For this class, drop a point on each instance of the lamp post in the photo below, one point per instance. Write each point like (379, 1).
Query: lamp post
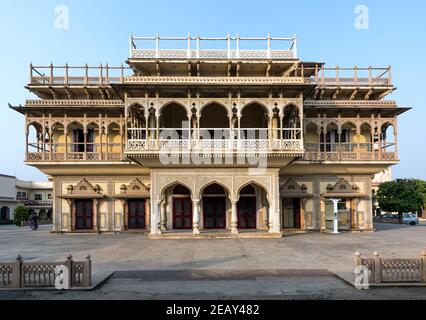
(335, 220)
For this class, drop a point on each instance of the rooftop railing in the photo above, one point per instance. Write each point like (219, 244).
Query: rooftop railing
(233, 49)
(338, 76)
(106, 75)
(77, 75)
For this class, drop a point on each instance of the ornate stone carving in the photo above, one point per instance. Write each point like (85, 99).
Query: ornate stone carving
(84, 187)
(342, 186)
(136, 187)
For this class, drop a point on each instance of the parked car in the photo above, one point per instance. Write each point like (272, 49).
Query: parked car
(388, 217)
(410, 219)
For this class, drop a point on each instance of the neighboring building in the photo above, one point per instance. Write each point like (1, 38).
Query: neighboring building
(379, 178)
(171, 142)
(37, 197)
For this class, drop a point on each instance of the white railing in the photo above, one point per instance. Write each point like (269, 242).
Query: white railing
(213, 140)
(212, 54)
(232, 51)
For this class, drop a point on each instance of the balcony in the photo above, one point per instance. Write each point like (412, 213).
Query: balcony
(214, 140)
(347, 152)
(38, 203)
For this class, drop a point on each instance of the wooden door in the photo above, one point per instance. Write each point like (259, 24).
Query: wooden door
(247, 213)
(136, 214)
(214, 212)
(84, 214)
(182, 213)
(296, 213)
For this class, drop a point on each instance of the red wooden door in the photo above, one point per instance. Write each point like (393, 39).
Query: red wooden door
(182, 213)
(247, 213)
(84, 214)
(214, 212)
(136, 214)
(296, 213)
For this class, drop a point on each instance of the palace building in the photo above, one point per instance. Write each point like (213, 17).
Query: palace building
(193, 137)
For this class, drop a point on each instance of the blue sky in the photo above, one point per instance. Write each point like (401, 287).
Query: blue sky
(99, 33)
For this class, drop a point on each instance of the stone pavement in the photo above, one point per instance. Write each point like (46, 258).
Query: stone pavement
(249, 268)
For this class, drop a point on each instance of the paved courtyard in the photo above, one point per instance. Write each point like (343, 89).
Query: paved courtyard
(296, 266)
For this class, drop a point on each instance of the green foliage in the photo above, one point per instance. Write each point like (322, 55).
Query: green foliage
(401, 195)
(20, 214)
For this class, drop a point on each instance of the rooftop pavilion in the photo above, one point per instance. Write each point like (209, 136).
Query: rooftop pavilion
(207, 48)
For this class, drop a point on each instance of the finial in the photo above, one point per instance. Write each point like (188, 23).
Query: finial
(376, 254)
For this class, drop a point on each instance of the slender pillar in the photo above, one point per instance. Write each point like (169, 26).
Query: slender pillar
(95, 215)
(85, 143)
(196, 216)
(234, 217)
(163, 224)
(154, 217)
(271, 216)
(147, 214)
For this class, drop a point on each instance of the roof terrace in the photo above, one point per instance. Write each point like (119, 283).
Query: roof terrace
(188, 48)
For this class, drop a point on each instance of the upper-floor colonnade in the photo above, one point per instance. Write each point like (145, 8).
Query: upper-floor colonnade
(153, 123)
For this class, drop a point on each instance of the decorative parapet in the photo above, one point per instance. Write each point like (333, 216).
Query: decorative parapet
(393, 271)
(350, 103)
(20, 274)
(215, 80)
(84, 102)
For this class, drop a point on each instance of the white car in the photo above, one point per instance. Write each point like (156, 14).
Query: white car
(410, 219)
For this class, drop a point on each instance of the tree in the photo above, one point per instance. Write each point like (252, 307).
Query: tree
(422, 188)
(20, 214)
(401, 195)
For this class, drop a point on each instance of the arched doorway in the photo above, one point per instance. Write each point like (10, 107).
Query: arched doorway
(246, 208)
(214, 207)
(182, 207)
(5, 214)
(254, 122)
(174, 122)
(214, 122)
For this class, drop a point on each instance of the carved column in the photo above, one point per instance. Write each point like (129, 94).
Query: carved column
(303, 213)
(85, 142)
(123, 215)
(147, 213)
(154, 217)
(195, 216)
(96, 215)
(266, 214)
(73, 216)
(163, 224)
(234, 217)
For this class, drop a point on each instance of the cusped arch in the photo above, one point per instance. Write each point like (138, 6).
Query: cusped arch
(255, 183)
(332, 122)
(174, 183)
(213, 102)
(168, 103)
(218, 182)
(75, 123)
(253, 102)
(292, 105)
(113, 123)
(36, 124)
